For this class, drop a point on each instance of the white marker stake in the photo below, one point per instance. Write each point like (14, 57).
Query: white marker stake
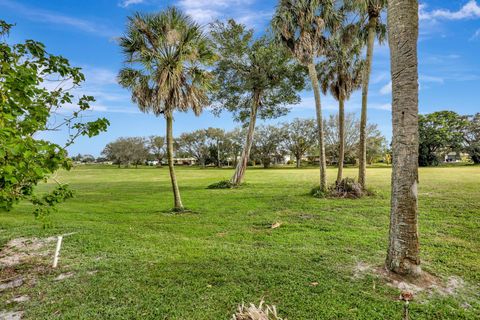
(57, 251)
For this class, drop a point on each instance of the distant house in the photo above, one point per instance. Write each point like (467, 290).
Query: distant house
(153, 162)
(455, 157)
(286, 158)
(184, 161)
(451, 157)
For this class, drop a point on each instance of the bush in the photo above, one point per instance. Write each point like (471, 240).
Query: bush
(224, 184)
(318, 193)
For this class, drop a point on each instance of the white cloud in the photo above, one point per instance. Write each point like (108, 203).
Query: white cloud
(378, 77)
(52, 17)
(203, 15)
(99, 76)
(469, 11)
(102, 85)
(386, 89)
(384, 106)
(206, 11)
(476, 35)
(425, 78)
(126, 3)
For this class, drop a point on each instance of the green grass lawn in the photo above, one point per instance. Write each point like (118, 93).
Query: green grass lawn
(152, 264)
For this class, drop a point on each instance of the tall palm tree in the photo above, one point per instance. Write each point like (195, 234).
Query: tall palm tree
(164, 56)
(340, 73)
(300, 25)
(403, 252)
(369, 11)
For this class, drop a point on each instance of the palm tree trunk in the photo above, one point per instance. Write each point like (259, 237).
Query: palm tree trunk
(173, 177)
(318, 108)
(403, 252)
(362, 152)
(242, 164)
(218, 155)
(341, 139)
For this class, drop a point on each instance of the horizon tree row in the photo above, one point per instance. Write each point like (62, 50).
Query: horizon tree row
(287, 142)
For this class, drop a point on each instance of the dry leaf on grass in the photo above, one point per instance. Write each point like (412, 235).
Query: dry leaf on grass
(276, 225)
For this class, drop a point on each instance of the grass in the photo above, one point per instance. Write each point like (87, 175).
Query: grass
(152, 264)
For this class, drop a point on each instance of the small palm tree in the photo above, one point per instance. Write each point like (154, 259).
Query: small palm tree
(165, 55)
(369, 12)
(341, 73)
(300, 25)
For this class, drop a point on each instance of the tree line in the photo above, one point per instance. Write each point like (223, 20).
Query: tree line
(271, 144)
(440, 133)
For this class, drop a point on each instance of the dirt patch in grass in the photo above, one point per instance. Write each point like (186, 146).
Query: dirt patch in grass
(19, 299)
(64, 276)
(11, 315)
(22, 260)
(426, 283)
(22, 250)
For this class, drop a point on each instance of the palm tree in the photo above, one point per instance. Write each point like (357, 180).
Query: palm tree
(369, 11)
(300, 25)
(340, 73)
(164, 56)
(403, 252)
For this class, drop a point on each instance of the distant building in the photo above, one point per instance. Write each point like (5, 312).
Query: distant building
(456, 157)
(184, 161)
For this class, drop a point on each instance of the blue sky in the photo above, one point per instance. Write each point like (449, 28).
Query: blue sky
(85, 32)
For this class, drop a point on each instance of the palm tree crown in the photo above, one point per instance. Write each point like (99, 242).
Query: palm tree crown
(165, 54)
(340, 72)
(368, 11)
(300, 25)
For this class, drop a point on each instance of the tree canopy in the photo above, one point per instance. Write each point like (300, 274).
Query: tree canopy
(249, 67)
(27, 103)
(439, 132)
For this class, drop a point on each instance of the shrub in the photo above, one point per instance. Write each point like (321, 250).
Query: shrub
(318, 193)
(224, 184)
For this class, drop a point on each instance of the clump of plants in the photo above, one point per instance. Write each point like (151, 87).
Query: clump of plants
(252, 312)
(346, 188)
(317, 192)
(224, 184)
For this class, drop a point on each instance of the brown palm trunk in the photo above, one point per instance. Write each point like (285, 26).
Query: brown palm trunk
(362, 151)
(341, 139)
(242, 164)
(318, 108)
(403, 251)
(173, 177)
(218, 155)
